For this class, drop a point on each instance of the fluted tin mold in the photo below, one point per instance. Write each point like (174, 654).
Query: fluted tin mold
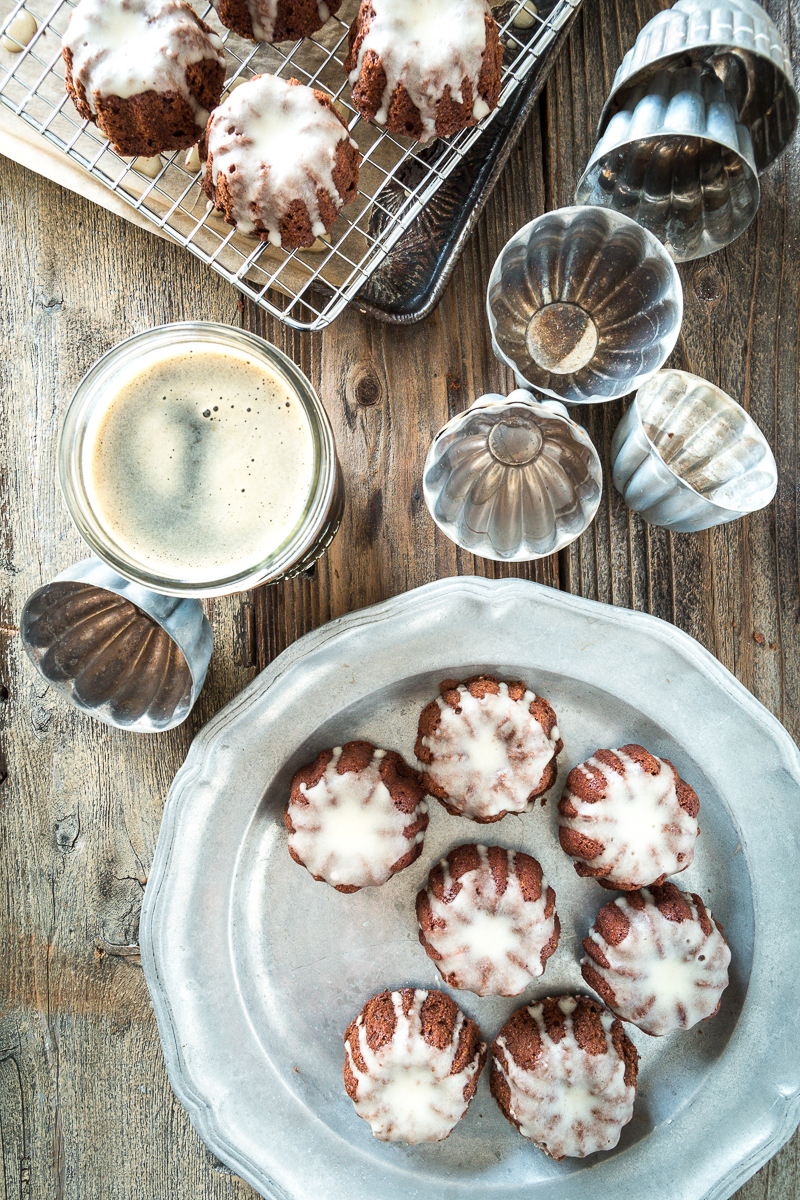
(741, 44)
(584, 304)
(512, 478)
(687, 456)
(675, 159)
(129, 657)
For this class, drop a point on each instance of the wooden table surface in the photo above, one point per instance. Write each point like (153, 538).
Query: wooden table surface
(85, 1106)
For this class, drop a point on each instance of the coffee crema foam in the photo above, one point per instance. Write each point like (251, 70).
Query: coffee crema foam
(200, 464)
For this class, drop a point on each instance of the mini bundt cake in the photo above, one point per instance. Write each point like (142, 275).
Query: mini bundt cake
(658, 959)
(356, 816)
(147, 72)
(412, 1064)
(487, 748)
(275, 20)
(628, 818)
(564, 1073)
(424, 68)
(488, 920)
(280, 163)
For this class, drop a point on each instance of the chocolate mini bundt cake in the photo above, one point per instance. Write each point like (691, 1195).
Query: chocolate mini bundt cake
(280, 163)
(658, 959)
(412, 1064)
(424, 68)
(487, 918)
(275, 20)
(487, 748)
(146, 72)
(627, 818)
(564, 1073)
(356, 816)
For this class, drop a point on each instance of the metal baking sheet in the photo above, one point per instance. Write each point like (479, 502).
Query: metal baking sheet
(255, 970)
(391, 252)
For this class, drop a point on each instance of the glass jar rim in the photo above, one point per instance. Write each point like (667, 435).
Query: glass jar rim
(90, 393)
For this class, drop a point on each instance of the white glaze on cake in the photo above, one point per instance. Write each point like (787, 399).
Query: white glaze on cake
(642, 827)
(665, 975)
(127, 47)
(408, 1093)
(572, 1103)
(351, 831)
(427, 46)
(490, 942)
(491, 755)
(263, 15)
(274, 143)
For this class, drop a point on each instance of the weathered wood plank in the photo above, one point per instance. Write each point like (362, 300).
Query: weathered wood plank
(80, 809)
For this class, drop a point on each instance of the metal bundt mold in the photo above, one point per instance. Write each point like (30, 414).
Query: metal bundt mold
(584, 304)
(129, 657)
(686, 456)
(512, 478)
(674, 158)
(741, 44)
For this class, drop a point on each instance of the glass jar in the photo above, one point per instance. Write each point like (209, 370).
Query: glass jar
(301, 542)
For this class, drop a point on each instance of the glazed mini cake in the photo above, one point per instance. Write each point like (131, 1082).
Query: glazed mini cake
(658, 959)
(280, 163)
(487, 748)
(356, 816)
(412, 1064)
(146, 72)
(627, 818)
(487, 918)
(424, 68)
(564, 1073)
(275, 20)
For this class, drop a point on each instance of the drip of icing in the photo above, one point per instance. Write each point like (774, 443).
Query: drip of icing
(665, 975)
(408, 1092)
(491, 755)
(263, 14)
(642, 827)
(426, 46)
(275, 143)
(491, 943)
(350, 832)
(126, 47)
(571, 1103)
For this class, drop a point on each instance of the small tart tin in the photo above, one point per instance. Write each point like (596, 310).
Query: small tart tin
(584, 304)
(321, 515)
(512, 478)
(741, 44)
(130, 657)
(686, 456)
(675, 158)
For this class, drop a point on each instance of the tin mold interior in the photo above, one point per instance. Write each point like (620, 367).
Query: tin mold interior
(739, 42)
(583, 304)
(674, 158)
(255, 970)
(106, 656)
(687, 456)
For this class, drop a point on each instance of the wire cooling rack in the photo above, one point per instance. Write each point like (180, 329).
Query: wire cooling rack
(397, 179)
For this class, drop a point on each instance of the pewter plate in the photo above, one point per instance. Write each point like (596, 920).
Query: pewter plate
(255, 970)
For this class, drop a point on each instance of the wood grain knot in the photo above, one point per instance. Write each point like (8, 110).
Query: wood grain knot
(374, 513)
(364, 388)
(709, 284)
(66, 832)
